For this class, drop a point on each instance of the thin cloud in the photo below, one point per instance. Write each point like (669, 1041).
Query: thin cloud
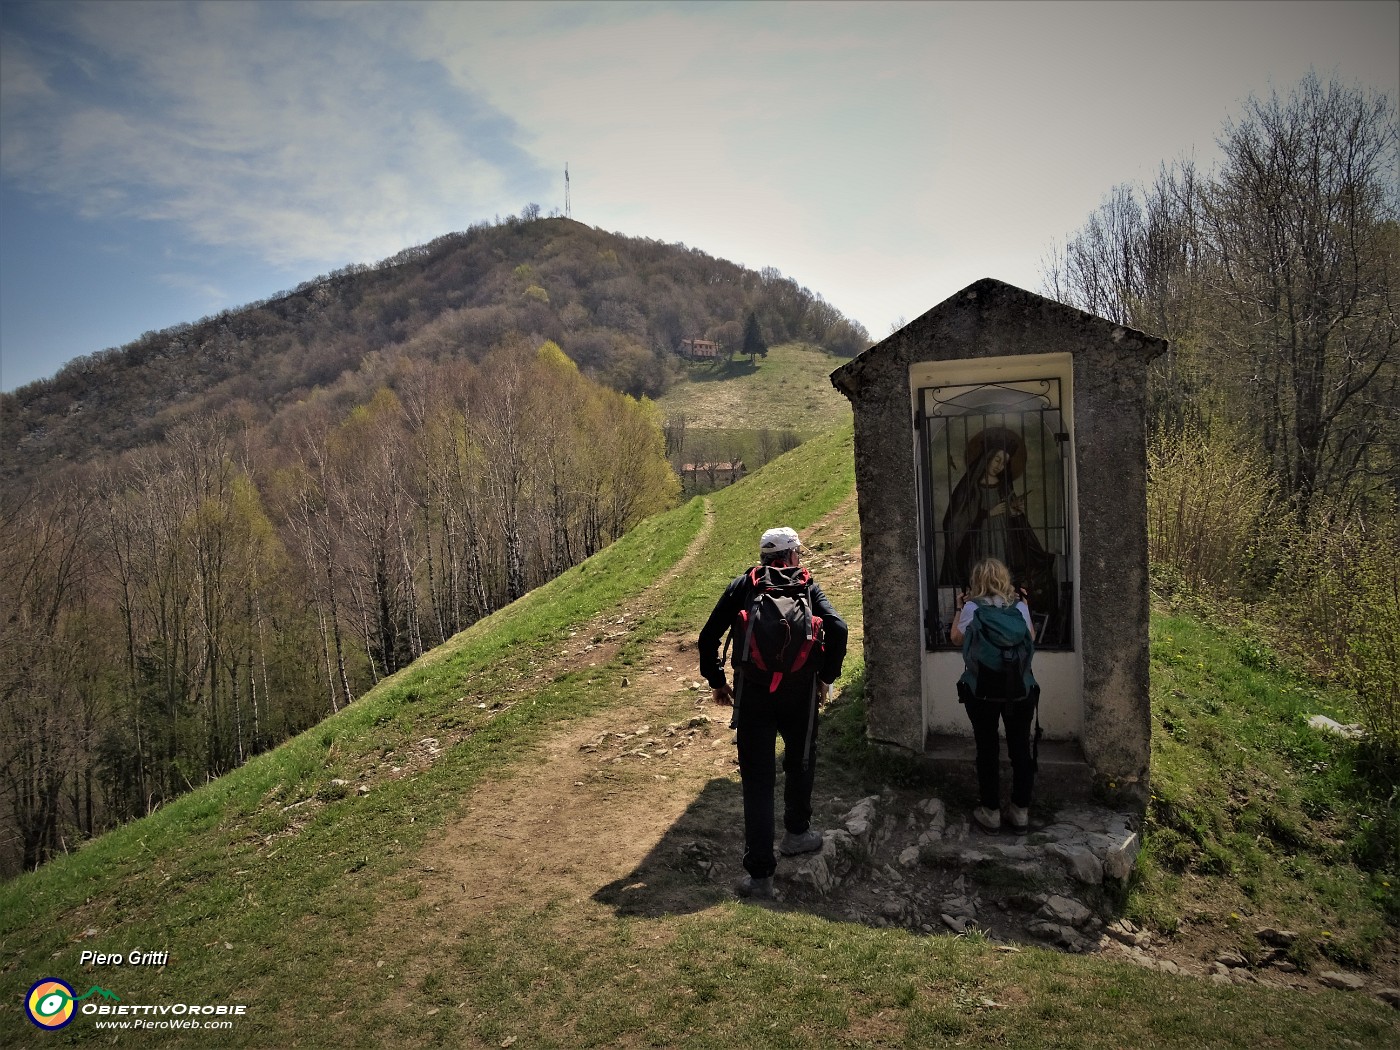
(213, 295)
(269, 128)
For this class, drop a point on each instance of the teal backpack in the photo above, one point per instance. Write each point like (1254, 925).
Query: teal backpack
(997, 651)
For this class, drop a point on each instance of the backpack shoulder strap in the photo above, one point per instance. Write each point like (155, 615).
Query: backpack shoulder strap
(745, 594)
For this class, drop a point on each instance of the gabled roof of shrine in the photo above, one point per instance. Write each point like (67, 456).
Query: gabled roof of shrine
(987, 318)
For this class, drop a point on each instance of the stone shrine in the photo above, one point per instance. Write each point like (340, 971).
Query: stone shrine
(1004, 423)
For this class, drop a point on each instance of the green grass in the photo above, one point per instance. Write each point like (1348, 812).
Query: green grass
(742, 976)
(787, 389)
(295, 924)
(1261, 814)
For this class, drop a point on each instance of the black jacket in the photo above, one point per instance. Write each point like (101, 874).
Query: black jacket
(735, 598)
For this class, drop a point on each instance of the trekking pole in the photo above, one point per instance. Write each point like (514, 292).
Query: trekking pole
(811, 729)
(1035, 740)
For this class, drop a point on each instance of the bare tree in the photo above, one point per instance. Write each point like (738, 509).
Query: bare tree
(674, 429)
(767, 445)
(1274, 278)
(505, 430)
(45, 567)
(1300, 222)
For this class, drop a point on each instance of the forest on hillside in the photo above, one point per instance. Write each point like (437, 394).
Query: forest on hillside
(1275, 414)
(617, 306)
(170, 613)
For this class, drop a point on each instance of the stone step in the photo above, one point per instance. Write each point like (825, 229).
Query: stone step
(1062, 771)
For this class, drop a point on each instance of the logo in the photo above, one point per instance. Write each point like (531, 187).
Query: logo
(51, 1002)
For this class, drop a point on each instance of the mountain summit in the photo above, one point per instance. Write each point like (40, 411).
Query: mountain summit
(618, 306)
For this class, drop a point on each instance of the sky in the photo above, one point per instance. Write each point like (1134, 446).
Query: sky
(160, 162)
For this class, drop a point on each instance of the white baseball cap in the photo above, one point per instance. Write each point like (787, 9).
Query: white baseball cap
(779, 540)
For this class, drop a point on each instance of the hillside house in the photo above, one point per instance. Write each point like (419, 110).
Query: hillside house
(711, 475)
(699, 349)
(1003, 423)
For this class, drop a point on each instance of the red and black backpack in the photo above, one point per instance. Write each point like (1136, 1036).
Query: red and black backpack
(777, 633)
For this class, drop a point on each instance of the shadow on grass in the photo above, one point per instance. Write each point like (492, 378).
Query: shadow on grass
(726, 370)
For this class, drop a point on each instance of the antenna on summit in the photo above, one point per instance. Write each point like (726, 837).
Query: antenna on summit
(568, 202)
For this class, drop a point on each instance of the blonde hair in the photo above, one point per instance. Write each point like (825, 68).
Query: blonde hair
(991, 578)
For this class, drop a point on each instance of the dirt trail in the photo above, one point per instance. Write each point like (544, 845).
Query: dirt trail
(586, 809)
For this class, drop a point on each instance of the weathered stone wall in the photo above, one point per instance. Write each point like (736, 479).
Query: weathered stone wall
(889, 539)
(1110, 393)
(993, 319)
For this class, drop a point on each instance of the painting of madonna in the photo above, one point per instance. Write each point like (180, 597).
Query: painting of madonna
(986, 518)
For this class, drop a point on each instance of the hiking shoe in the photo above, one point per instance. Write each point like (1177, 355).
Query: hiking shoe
(1019, 817)
(761, 889)
(988, 819)
(808, 841)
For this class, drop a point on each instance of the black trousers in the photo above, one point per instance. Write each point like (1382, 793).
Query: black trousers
(985, 716)
(762, 718)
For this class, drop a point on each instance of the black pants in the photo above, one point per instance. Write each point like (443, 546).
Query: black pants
(985, 716)
(762, 718)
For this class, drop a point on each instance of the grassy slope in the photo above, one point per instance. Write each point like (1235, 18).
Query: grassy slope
(789, 388)
(274, 907)
(1255, 815)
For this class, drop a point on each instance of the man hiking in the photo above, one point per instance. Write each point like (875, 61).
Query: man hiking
(788, 643)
